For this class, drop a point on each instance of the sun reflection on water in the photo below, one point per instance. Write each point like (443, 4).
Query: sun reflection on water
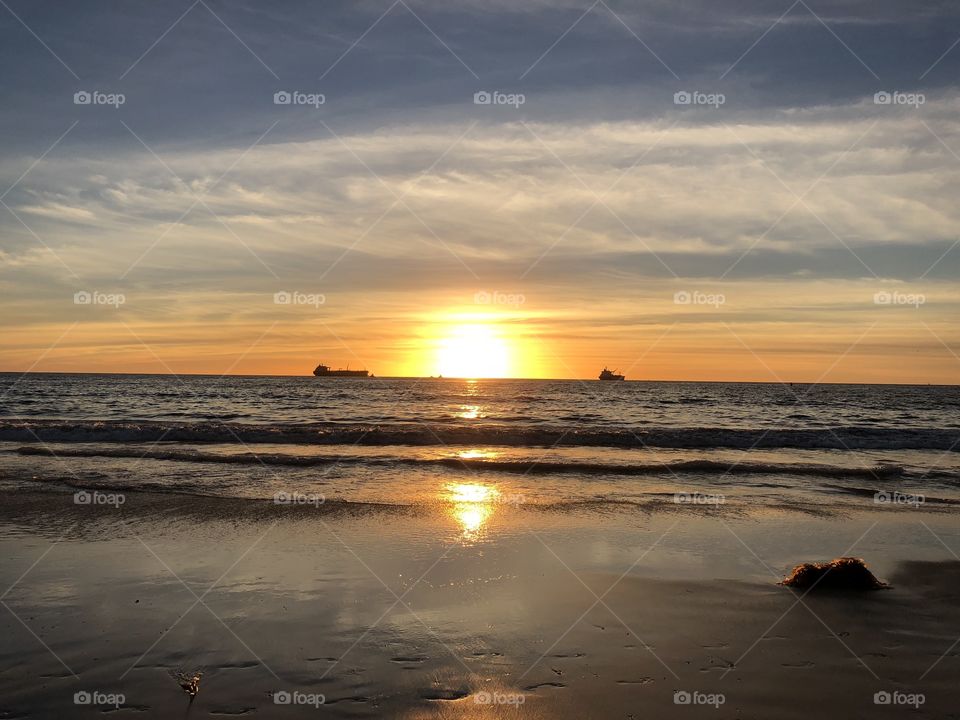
(472, 493)
(476, 454)
(469, 412)
(472, 518)
(471, 505)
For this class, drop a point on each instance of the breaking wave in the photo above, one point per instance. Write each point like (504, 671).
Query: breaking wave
(835, 438)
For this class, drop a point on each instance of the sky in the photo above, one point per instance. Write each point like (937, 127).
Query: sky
(679, 189)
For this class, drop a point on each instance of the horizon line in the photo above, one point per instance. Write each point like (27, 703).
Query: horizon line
(474, 379)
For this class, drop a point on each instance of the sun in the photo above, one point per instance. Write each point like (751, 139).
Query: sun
(474, 350)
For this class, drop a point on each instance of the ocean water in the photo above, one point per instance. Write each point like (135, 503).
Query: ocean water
(550, 444)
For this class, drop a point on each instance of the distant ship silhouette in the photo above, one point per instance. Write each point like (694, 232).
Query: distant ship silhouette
(325, 371)
(608, 375)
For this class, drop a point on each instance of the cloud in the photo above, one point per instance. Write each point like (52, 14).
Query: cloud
(58, 211)
(804, 183)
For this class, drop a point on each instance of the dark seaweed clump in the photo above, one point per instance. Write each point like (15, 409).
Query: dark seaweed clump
(846, 573)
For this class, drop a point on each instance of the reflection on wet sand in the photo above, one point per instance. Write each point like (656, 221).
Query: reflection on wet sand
(471, 505)
(472, 518)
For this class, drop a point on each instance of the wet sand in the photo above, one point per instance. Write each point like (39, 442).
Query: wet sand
(465, 611)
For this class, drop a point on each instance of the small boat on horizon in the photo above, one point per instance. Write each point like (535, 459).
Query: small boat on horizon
(325, 371)
(608, 375)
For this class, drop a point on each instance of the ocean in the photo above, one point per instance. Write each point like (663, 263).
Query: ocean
(542, 443)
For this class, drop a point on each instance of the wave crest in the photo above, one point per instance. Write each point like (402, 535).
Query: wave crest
(838, 438)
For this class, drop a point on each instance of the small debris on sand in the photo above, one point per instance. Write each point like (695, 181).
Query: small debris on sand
(190, 683)
(845, 573)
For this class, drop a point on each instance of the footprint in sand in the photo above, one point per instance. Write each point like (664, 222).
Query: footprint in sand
(233, 713)
(444, 694)
(348, 698)
(638, 681)
(408, 660)
(718, 663)
(530, 688)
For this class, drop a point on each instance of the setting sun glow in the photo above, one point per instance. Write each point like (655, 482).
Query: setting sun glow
(474, 351)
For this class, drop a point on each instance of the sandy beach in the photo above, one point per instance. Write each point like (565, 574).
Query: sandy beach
(438, 611)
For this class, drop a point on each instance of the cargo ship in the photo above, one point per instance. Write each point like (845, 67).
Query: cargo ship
(607, 375)
(325, 371)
